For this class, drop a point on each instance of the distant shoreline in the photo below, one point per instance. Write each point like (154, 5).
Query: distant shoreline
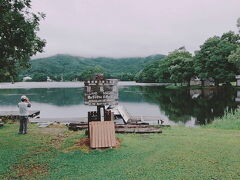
(34, 85)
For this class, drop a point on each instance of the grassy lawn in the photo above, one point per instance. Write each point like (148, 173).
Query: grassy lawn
(178, 153)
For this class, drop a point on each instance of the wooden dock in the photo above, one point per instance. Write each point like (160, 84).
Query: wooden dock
(58, 120)
(133, 120)
(124, 113)
(157, 119)
(128, 118)
(125, 128)
(15, 114)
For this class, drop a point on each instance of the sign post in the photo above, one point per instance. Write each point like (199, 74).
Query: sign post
(101, 92)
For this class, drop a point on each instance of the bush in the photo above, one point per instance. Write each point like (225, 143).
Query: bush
(228, 121)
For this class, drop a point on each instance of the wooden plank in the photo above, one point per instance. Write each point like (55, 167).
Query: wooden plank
(138, 130)
(135, 126)
(102, 134)
(145, 118)
(124, 113)
(81, 126)
(60, 120)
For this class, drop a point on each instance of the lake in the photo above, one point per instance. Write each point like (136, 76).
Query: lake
(174, 106)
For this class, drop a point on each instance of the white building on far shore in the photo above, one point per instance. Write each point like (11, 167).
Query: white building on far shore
(27, 78)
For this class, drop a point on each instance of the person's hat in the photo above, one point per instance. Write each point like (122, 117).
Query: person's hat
(23, 97)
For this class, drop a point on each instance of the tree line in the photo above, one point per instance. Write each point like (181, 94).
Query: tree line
(87, 73)
(217, 59)
(70, 68)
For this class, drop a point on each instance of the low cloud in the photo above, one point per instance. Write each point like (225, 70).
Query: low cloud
(120, 28)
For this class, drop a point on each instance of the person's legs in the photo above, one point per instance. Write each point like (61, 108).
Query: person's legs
(21, 125)
(25, 125)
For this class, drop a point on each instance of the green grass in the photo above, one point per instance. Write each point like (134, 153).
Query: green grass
(178, 153)
(23, 155)
(228, 121)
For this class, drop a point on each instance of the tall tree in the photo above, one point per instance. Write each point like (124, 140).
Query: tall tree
(177, 67)
(180, 66)
(211, 61)
(18, 38)
(163, 74)
(149, 72)
(235, 59)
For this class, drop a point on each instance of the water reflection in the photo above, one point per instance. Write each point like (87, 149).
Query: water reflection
(190, 107)
(182, 105)
(55, 96)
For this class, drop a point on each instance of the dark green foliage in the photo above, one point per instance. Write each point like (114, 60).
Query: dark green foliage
(89, 72)
(71, 67)
(18, 39)
(39, 77)
(235, 59)
(177, 67)
(212, 59)
(180, 66)
(149, 73)
(124, 76)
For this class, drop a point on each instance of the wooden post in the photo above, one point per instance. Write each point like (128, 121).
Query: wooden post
(100, 113)
(109, 115)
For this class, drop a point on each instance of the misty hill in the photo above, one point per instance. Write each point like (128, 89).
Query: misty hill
(72, 65)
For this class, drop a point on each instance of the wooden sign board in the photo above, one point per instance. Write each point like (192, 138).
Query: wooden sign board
(101, 92)
(102, 134)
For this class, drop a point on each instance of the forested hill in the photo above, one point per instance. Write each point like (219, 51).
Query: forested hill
(71, 67)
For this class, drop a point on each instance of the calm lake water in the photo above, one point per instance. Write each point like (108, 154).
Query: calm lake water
(188, 107)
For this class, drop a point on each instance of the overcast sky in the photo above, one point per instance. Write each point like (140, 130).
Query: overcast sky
(121, 28)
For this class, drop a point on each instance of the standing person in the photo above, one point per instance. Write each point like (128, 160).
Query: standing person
(23, 111)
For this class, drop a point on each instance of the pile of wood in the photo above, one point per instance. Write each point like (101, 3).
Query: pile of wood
(138, 128)
(78, 126)
(125, 128)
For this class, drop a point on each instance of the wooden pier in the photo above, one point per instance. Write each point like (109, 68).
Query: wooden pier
(125, 128)
(58, 120)
(123, 113)
(128, 118)
(156, 119)
(132, 120)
